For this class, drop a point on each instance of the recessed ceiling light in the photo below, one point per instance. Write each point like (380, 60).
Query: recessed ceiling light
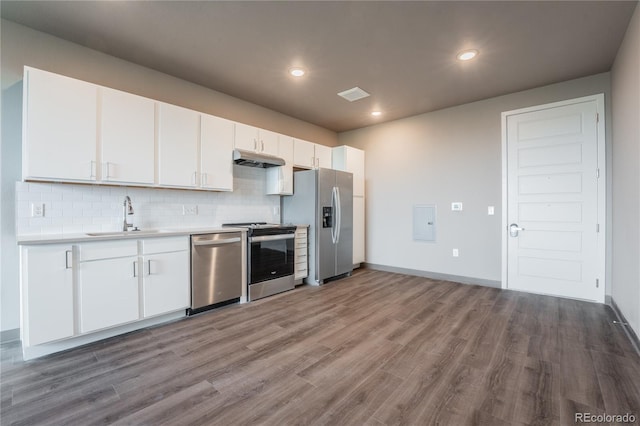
(466, 55)
(376, 113)
(297, 71)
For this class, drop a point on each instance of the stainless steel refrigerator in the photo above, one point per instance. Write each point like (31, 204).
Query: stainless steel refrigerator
(323, 199)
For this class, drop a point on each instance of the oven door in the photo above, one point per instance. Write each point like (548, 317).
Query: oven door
(270, 257)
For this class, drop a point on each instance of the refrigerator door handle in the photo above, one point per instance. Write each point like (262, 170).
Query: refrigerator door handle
(338, 214)
(334, 212)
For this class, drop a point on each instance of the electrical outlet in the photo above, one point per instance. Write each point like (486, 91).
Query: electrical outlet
(456, 253)
(456, 207)
(491, 210)
(37, 209)
(189, 210)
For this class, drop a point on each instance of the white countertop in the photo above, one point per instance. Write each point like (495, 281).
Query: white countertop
(164, 232)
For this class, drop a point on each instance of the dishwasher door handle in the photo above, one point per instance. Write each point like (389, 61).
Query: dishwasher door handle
(215, 242)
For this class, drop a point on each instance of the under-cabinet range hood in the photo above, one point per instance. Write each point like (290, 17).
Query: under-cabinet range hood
(254, 159)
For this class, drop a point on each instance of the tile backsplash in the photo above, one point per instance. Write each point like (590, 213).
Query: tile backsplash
(73, 208)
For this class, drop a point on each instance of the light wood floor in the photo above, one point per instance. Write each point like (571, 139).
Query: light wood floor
(374, 349)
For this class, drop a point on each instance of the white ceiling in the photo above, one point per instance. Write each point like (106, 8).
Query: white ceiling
(403, 53)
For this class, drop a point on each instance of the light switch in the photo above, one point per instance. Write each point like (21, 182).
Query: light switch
(491, 211)
(456, 207)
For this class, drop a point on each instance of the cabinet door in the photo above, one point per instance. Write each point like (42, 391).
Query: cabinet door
(127, 137)
(47, 294)
(323, 156)
(165, 283)
(178, 133)
(358, 230)
(108, 293)
(216, 153)
(268, 143)
(351, 160)
(303, 154)
(59, 129)
(301, 268)
(280, 179)
(247, 137)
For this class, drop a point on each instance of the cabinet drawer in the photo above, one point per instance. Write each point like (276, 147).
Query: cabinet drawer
(301, 245)
(300, 258)
(165, 245)
(107, 250)
(301, 233)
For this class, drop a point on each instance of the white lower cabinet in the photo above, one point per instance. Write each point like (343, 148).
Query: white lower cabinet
(47, 294)
(165, 270)
(75, 291)
(107, 284)
(108, 293)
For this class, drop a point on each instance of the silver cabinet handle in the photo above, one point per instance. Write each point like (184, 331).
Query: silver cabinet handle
(204, 179)
(92, 168)
(514, 229)
(194, 178)
(135, 269)
(108, 170)
(149, 267)
(67, 261)
(262, 146)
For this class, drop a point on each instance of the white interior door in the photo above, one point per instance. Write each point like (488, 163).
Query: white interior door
(553, 200)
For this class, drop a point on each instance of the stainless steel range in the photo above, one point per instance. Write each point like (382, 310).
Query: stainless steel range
(270, 258)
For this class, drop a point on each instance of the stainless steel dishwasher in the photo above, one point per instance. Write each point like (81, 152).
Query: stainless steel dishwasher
(216, 270)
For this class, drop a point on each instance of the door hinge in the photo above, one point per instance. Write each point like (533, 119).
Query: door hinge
(597, 173)
(597, 117)
(597, 283)
(597, 227)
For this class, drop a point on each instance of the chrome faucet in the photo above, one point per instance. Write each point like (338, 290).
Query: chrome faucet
(127, 208)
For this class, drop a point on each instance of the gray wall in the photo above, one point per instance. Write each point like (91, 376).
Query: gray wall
(442, 157)
(625, 86)
(23, 46)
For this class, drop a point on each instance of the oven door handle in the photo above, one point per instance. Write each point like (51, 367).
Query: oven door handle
(215, 242)
(271, 238)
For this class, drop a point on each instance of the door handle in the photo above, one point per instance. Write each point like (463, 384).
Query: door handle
(514, 229)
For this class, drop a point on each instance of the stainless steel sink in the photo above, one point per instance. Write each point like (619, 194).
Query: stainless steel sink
(123, 233)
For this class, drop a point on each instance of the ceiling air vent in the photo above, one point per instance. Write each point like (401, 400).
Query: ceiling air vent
(353, 94)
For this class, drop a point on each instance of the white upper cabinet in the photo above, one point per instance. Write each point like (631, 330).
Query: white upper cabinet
(59, 127)
(280, 179)
(249, 138)
(127, 137)
(216, 153)
(304, 154)
(309, 155)
(323, 156)
(351, 160)
(268, 142)
(178, 133)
